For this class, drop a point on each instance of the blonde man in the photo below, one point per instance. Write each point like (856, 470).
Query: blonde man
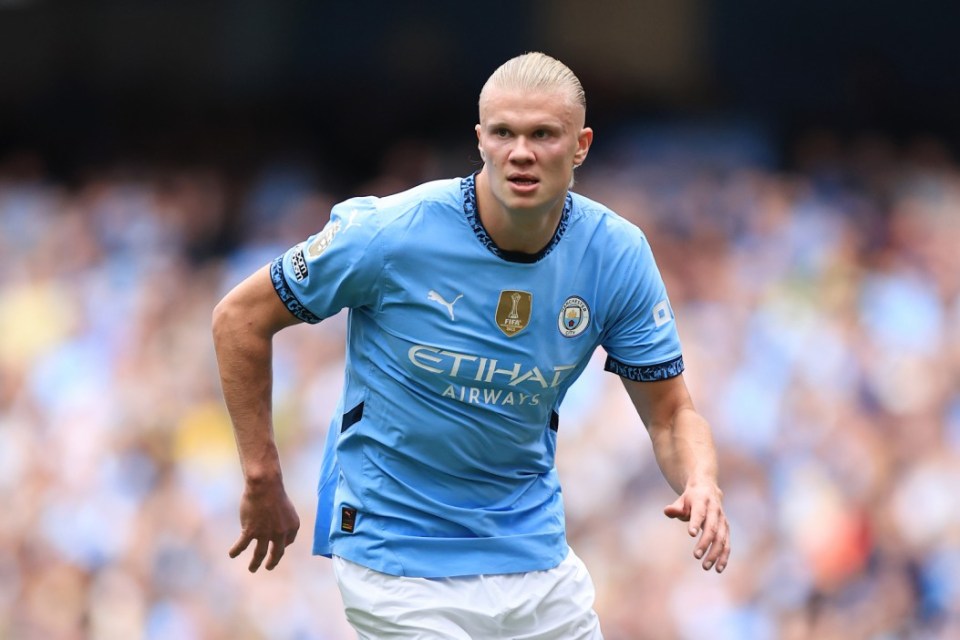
(474, 303)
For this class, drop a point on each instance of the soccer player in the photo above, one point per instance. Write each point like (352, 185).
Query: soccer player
(474, 303)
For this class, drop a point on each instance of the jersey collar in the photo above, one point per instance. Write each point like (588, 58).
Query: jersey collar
(468, 186)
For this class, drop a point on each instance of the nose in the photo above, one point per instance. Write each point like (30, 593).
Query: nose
(521, 152)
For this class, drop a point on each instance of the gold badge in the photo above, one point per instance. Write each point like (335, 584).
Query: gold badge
(513, 311)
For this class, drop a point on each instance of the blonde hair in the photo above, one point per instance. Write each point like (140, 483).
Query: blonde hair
(536, 71)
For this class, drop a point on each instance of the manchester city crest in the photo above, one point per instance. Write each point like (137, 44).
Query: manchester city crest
(574, 317)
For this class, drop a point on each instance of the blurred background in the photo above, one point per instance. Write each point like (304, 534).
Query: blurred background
(794, 166)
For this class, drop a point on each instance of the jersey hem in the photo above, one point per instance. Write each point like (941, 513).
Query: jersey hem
(455, 557)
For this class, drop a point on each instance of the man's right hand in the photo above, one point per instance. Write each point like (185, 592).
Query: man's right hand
(267, 516)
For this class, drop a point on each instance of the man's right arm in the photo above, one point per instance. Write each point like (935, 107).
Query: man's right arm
(244, 323)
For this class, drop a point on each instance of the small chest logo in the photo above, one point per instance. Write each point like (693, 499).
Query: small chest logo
(513, 311)
(574, 317)
(436, 297)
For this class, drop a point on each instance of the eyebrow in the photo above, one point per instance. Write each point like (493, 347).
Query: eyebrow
(500, 124)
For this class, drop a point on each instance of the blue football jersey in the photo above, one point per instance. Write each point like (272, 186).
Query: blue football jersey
(440, 460)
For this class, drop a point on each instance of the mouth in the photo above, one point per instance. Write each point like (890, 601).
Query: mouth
(522, 180)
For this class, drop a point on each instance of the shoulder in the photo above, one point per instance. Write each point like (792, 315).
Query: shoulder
(437, 192)
(399, 210)
(423, 197)
(606, 224)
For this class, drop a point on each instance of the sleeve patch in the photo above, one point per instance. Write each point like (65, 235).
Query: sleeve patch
(300, 271)
(286, 294)
(646, 373)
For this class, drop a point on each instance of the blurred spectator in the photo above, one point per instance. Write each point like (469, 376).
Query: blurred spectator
(820, 313)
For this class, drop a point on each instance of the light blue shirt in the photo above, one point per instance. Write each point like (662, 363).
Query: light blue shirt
(440, 461)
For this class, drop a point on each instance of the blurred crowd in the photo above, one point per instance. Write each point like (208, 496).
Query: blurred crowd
(819, 308)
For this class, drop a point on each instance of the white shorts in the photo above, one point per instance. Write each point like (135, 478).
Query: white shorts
(556, 604)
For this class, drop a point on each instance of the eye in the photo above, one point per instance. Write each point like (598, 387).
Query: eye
(541, 134)
(501, 132)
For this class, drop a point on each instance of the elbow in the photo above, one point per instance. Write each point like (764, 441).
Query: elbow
(242, 318)
(224, 320)
(659, 431)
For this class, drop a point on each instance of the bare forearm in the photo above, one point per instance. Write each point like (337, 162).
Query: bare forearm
(244, 356)
(684, 450)
(244, 324)
(687, 457)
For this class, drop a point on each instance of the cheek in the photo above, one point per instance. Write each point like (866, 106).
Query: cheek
(561, 161)
(490, 152)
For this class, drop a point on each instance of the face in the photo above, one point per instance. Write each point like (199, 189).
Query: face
(530, 143)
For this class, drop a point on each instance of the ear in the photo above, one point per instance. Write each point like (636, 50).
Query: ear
(479, 147)
(584, 140)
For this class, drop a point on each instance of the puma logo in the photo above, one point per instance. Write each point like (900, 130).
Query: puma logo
(353, 220)
(436, 297)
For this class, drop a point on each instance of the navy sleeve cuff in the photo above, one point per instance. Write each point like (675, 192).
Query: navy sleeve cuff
(646, 373)
(286, 294)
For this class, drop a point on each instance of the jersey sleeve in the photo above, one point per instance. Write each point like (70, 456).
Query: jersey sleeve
(641, 338)
(335, 269)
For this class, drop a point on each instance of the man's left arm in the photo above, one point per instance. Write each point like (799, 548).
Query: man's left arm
(683, 446)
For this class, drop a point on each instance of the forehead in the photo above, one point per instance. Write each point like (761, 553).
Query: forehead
(524, 107)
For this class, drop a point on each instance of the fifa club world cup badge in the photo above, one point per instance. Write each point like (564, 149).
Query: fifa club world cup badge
(574, 317)
(513, 311)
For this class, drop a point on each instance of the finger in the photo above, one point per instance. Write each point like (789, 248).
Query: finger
(711, 545)
(711, 524)
(719, 555)
(259, 554)
(678, 510)
(718, 532)
(724, 556)
(697, 519)
(240, 545)
(277, 547)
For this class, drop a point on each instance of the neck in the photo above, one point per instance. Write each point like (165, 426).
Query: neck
(520, 230)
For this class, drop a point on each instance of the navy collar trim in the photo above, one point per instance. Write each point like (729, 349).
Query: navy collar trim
(468, 187)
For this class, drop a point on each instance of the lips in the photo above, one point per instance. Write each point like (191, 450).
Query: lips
(523, 180)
